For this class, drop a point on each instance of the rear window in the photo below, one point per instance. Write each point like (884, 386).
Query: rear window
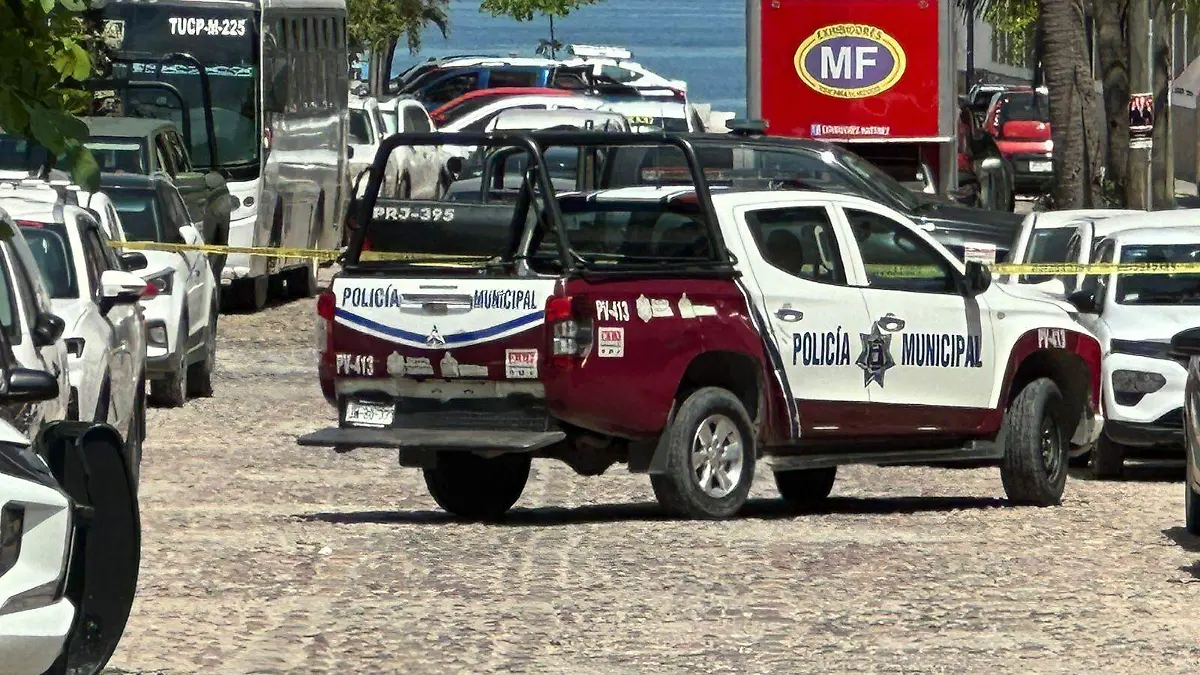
(139, 211)
(1026, 107)
(52, 252)
(118, 155)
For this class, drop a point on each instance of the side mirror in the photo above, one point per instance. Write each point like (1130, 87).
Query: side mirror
(191, 235)
(134, 261)
(349, 152)
(992, 163)
(120, 288)
(978, 277)
(47, 329)
(1084, 301)
(214, 180)
(27, 385)
(455, 166)
(1186, 343)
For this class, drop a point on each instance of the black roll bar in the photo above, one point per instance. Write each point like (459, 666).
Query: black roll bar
(205, 98)
(112, 83)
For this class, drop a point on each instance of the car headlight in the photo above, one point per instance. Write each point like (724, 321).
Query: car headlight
(163, 283)
(1137, 381)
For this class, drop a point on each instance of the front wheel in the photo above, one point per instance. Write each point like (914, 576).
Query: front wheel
(477, 488)
(200, 375)
(710, 457)
(1108, 459)
(1034, 467)
(170, 391)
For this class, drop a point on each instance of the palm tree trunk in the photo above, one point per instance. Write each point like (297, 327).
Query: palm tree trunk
(1072, 105)
(1113, 42)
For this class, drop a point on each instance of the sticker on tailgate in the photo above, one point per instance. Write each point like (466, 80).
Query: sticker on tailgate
(521, 364)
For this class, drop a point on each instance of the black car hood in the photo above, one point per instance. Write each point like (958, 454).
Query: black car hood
(962, 224)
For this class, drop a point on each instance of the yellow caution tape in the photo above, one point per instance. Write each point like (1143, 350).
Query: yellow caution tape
(892, 271)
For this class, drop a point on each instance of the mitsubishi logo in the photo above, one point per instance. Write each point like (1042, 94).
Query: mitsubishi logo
(435, 339)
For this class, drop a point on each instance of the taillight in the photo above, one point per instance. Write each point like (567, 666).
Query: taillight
(570, 336)
(326, 307)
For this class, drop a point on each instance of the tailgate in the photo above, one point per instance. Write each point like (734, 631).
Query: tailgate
(400, 335)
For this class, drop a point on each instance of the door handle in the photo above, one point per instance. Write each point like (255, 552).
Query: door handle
(788, 314)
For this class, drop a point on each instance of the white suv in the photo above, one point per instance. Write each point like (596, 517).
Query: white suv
(181, 319)
(96, 294)
(1135, 316)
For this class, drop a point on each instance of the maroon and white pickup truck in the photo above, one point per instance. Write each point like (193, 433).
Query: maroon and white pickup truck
(687, 333)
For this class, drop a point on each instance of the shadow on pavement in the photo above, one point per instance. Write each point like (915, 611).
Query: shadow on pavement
(1179, 535)
(1149, 471)
(760, 509)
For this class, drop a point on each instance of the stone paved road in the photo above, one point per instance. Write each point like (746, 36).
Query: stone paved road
(262, 557)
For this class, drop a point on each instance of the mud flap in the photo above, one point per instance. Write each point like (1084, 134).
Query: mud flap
(658, 463)
(89, 462)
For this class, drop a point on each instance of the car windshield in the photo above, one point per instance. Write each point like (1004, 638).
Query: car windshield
(52, 251)
(1026, 107)
(872, 176)
(139, 213)
(1047, 245)
(118, 155)
(1159, 289)
(360, 127)
(150, 31)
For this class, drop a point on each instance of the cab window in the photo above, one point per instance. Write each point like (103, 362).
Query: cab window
(163, 150)
(8, 303)
(799, 241)
(896, 258)
(1097, 284)
(416, 121)
(26, 290)
(451, 88)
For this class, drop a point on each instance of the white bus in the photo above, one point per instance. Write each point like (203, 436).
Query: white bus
(278, 82)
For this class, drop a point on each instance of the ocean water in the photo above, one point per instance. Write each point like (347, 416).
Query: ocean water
(700, 41)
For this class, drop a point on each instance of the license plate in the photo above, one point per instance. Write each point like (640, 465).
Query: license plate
(365, 414)
(1041, 167)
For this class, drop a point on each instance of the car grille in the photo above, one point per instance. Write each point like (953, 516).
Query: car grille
(501, 415)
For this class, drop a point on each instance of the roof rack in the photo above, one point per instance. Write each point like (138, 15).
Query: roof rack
(601, 51)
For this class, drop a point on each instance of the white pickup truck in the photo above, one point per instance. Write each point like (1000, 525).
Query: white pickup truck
(687, 332)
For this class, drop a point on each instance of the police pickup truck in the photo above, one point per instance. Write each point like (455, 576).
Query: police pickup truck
(687, 332)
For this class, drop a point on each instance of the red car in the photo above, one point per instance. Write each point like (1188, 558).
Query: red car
(474, 100)
(1019, 120)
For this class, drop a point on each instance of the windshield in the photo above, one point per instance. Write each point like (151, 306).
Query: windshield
(878, 179)
(1047, 246)
(360, 128)
(1026, 108)
(19, 154)
(225, 39)
(139, 214)
(1159, 289)
(48, 242)
(118, 155)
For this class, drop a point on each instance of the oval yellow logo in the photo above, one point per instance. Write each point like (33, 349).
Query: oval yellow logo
(850, 60)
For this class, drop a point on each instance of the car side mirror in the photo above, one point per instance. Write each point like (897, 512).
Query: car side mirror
(120, 288)
(134, 261)
(1084, 301)
(455, 166)
(349, 152)
(47, 329)
(1186, 343)
(978, 278)
(26, 385)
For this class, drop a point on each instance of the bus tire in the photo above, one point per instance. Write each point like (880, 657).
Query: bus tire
(250, 293)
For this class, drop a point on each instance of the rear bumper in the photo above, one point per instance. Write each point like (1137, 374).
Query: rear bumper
(1145, 434)
(348, 438)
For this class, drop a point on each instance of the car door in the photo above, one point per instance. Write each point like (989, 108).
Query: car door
(124, 323)
(426, 167)
(188, 181)
(1098, 286)
(195, 261)
(35, 301)
(937, 357)
(814, 318)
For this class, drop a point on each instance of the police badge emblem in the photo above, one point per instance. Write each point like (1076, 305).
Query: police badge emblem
(876, 356)
(435, 338)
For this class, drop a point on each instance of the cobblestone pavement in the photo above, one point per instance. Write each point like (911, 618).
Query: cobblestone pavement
(263, 557)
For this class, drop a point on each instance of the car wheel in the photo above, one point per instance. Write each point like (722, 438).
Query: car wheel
(170, 391)
(199, 377)
(805, 488)
(302, 281)
(477, 488)
(1108, 459)
(710, 457)
(1034, 466)
(1191, 507)
(137, 433)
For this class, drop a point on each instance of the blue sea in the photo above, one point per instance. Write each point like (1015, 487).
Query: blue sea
(700, 41)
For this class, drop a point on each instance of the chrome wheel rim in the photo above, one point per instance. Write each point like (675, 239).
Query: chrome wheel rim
(717, 456)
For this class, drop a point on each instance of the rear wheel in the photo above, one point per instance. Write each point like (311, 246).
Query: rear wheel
(1034, 467)
(1191, 506)
(710, 457)
(199, 377)
(302, 281)
(805, 487)
(1108, 459)
(170, 391)
(477, 488)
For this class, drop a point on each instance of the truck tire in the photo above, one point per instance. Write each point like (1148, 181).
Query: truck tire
(1108, 459)
(1191, 507)
(805, 487)
(170, 391)
(1034, 466)
(710, 457)
(200, 374)
(477, 488)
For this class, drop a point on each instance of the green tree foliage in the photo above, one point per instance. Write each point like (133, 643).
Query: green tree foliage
(524, 10)
(44, 56)
(376, 25)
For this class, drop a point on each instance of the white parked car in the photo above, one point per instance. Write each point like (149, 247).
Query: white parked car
(367, 130)
(422, 168)
(1135, 316)
(617, 64)
(34, 331)
(475, 111)
(648, 114)
(95, 292)
(181, 319)
(1044, 235)
(1082, 246)
(533, 120)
